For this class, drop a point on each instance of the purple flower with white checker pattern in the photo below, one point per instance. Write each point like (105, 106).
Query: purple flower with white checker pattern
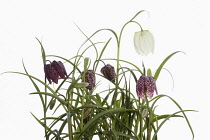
(146, 86)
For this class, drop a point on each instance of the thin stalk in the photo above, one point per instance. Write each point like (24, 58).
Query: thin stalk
(82, 117)
(118, 59)
(141, 120)
(149, 120)
(118, 64)
(118, 39)
(45, 112)
(149, 130)
(69, 116)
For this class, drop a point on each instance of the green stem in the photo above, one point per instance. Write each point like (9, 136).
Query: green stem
(69, 115)
(118, 64)
(118, 39)
(82, 117)
(149, 132)
(45, 104)
(148, 120)
(45, 116)
(118, 60)
(141, 120)
(69, 125)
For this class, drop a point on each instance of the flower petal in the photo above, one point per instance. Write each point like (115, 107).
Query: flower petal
(47, 72)
(150, 85)
(149, 41)
(140, 86)
(138, 42)
(62, 68)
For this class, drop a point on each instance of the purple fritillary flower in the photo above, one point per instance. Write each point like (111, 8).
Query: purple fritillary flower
(109, 72)
(59, 68)
(146, 84)
(51, 73)
(55, 70)
(91, 79)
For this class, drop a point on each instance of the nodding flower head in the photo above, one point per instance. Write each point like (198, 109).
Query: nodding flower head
(109, 72)
(146, 86)
(144, 42)
(91, 79)
(55, 70)
(59, 67)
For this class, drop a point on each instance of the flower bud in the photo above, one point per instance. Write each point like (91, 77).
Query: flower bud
(109, 72)
(88, 111)
(81, 85)
(52, 103)
(144, 113)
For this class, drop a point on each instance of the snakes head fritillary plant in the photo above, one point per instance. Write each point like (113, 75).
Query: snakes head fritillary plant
(84, 108)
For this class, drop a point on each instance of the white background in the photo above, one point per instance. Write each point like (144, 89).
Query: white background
(176, 25)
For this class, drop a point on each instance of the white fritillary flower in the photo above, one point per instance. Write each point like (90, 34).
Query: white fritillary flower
(144, 42)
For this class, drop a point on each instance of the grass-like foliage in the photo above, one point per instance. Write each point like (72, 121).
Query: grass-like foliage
(80, 106)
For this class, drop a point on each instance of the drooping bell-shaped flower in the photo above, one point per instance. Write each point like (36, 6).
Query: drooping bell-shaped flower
(55, 70)
(50, 73)
(146, 86)
(144, 42)
(109, 72)
(59, 67)
(91, 79)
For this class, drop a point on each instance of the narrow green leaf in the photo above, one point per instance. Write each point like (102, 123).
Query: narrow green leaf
(63, 126)
(157, 118)
(38, 120)
(40, 81)
(35, 85)
(163, 63)
(169, 116)
(155, 99)
(86, 63)
(149, 72)
(52, 95)
(98, 100)
(41, 123)
(42, 51)
(88, 39)
(102, 51)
